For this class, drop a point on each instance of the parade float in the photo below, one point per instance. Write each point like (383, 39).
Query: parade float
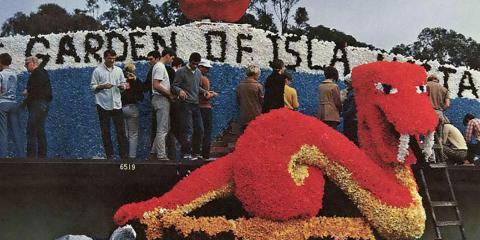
(279, 167)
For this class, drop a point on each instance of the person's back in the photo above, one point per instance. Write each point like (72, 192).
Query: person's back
(250, 95)
(9, 109)
(329, 106)
(290, 94)
(274, 87)
(438, 95)
(454, 145)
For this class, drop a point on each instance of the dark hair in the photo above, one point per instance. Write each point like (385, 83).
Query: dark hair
(168, 51)
(288, 75)
(195, 57)
(5, 59)
(178, 62)
(331, 73)
(109, 52)
(277, 64)
(467, 118)
(155, 54)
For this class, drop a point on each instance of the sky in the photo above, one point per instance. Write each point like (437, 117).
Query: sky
(382, 23)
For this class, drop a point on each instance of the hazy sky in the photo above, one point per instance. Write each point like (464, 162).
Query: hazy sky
(383, 23)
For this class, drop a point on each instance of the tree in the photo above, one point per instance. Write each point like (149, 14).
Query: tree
(171, 14)
(262, 19)
(445, 46)
(92, 7)
(282, 9)
(50, 18)
(301, 18)
(130, 13)
(321, 32)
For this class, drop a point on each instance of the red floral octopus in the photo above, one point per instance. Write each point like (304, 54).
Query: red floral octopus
(278, 167)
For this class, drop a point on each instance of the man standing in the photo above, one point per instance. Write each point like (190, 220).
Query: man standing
(152, 57)
(205, 109)
(187, 87)
(107, 81)
(275, 87)
(9, 107)
(161, 102)
(39, 95)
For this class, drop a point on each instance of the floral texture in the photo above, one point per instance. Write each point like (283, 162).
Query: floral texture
(279, 163)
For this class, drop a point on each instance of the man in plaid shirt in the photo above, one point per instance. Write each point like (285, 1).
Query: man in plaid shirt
(473, 128)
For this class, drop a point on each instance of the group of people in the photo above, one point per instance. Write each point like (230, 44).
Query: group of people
(38, 93)
(182, 111)
(452, 146)
(180, 97)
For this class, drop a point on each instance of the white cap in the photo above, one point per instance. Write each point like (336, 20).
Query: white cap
(205, 63)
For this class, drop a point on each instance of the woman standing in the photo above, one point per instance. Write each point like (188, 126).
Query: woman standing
(250, 96)
(130, 99)
(330, 106)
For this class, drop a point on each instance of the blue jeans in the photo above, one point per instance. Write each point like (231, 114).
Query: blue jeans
(36, 138)
(207, 131)
(131, 117)
(191, 120)
(9, 119)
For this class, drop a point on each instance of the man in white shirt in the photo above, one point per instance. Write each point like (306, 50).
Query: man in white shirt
(107, 82)
(161, 102)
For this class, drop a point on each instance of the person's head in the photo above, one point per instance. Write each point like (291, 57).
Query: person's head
(288, 77)
(168, 55)
(5, 60)
(433, 78)
(194, 60)
(467, 118)
(177, 63)
(331, 73)
(278, 66)
(31, 63)
(153, 57)
(253, 71)
(204, 66)
(109, 56)
(130, 67)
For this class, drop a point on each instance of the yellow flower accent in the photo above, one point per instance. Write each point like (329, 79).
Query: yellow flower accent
(391, 222)
(298, 171)
(262, 229)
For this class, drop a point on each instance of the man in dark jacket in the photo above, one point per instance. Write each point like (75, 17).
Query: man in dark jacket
(275, 87)
(39, 95)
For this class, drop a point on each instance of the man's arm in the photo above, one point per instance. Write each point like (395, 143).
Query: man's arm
(468, 134)
(162, 90)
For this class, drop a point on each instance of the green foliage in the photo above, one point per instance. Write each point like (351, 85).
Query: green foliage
(445, 46)
(50, 18)
(130, 13)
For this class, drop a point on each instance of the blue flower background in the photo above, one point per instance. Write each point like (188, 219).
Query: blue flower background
(73, 129)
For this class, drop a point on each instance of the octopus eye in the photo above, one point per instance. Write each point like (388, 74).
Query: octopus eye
(421, 89)
(385, 88)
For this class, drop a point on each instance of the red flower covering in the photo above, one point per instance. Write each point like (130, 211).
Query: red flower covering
(216, 10)
(382, 116)
(391, 102)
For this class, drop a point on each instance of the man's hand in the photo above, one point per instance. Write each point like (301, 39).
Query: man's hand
(25, 92)
(182, 94)
(210, 94)
(104, 86)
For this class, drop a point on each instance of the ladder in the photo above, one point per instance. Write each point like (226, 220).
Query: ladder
(437, 205)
